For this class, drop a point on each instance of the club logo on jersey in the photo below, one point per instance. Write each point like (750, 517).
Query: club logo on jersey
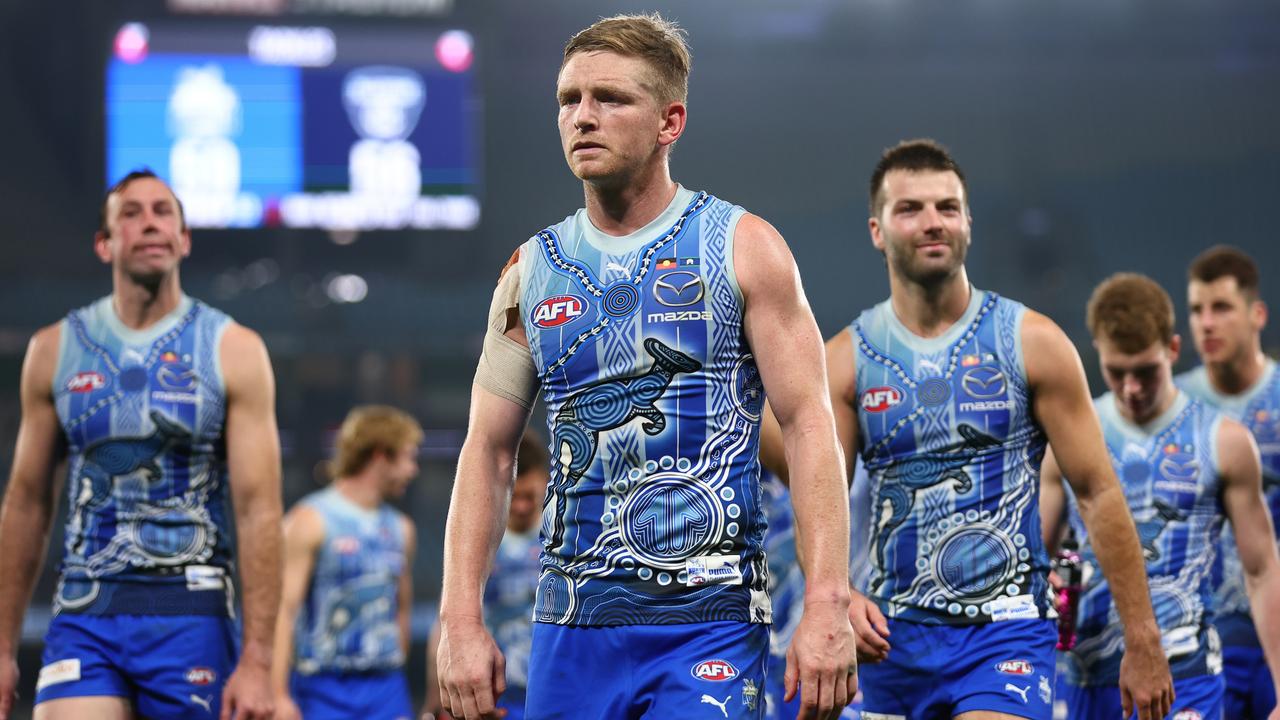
(879, 399)
(679, 288)
(1015, 667)
(1188, 715)
(714, 670)
(176, 376)
(558, 310)
(1179, 466)
(83, 382)
(201, 676)
(984, 383)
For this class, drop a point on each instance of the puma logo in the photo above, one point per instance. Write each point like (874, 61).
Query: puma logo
(722, 705)
(615, 267)
(206, 703)
(1021, 691)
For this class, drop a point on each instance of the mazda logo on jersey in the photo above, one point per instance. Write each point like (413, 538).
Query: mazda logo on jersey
(558, 310)
(984, 383)
(679, 288)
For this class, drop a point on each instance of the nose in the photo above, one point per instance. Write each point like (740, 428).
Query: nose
(932, 219)
(584, 117)
(1130, 386)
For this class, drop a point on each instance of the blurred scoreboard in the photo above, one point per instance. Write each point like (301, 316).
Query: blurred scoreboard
(271, 126)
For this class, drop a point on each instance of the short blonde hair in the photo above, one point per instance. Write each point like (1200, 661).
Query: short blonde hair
(370, 429)
(1132, 311)
(657, 41)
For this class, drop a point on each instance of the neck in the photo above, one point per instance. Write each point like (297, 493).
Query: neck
(140, 304)
(1237, 375)
(360, 489)
(628, 206)
(928, 311)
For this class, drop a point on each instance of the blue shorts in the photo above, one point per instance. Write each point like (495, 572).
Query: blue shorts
(513, 702)
(341, 695)
(1250, 692)
(165, 665)
(939, 671)
(1199, 698)
(712, 670)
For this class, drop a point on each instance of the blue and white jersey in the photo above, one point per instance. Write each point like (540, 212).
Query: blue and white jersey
(1259, 410)
(508, 603)
(1168, 469)
(953, 454)
(653, 513)
(786, 579)
(348, 621)
(148, 528)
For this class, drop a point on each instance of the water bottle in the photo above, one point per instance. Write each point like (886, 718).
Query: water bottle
(1070, 572)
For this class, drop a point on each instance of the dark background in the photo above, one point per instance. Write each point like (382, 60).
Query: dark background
(1097, 136)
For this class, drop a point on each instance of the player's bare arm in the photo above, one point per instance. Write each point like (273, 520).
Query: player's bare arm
(404, 593)
(253, 458)
(1062, 405)
(1246, 508)
(30, 499)
(1053, 503)
(303, 536)
(869, 624)
(788, 350)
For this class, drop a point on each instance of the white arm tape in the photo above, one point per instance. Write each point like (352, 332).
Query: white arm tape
(506, 367)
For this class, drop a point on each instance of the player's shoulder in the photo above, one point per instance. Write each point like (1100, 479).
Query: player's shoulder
(44, 342)
(306, 521)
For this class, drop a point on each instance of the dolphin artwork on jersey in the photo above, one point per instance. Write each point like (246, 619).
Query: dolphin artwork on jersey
(606, 406)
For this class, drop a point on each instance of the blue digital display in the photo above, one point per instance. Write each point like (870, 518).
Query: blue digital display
(298, 129)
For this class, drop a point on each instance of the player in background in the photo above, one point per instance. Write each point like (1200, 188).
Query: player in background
(343, 631)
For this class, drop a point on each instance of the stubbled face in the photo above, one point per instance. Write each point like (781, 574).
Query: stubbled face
(923, 226)
(399, 470)
(611, 123)
(1224, 322)
(146, 239)
(1142, 382)
(526, 500)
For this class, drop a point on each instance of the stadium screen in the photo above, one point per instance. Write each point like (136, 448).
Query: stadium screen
(267, 126)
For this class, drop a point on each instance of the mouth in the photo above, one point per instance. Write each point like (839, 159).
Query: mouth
(586, 145)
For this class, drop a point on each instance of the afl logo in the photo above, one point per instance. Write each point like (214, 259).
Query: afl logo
(879, 399)
(558, 310)
(201, 676)
(714, 670)
(1015, 667)
(83, 382)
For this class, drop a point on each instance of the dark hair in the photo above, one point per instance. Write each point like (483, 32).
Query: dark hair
(121, 184)
(913, 156)
(1132, 311)
(1222, 261)
(532, 454)
(652, 38)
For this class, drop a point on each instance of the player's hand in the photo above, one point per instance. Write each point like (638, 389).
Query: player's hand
(8, 684)
(1145, 684)
(870, 627)
(286, 708)
(472, 672)
(1275, 713)
(248, 695)
(822, 661)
